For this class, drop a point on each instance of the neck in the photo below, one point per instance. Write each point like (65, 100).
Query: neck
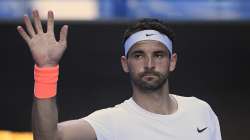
(158, 101)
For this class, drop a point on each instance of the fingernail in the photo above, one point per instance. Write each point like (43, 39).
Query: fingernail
(19, 28)
(50, 13)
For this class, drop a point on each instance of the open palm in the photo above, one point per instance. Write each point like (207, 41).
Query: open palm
(45, 49)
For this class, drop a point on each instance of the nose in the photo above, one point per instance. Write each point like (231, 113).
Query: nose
(149, 63)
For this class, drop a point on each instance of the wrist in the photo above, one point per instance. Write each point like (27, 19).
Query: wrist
(45, 81)
(46, 65)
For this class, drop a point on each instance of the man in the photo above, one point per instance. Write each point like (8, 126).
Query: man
(151, 113)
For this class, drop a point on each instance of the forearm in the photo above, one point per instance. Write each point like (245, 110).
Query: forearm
(44, 119)
(44, 111)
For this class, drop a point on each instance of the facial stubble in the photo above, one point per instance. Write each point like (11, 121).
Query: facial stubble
(149, 85)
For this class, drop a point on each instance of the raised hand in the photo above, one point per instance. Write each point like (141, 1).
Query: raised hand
(46, 51)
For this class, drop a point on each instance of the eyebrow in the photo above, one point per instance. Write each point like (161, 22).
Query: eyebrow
(160, 52)
(155, 52)
(136, 52)
(167, 53)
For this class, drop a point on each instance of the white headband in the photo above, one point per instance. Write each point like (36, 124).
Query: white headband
(147, 35)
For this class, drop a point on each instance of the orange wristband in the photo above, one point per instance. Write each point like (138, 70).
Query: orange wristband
(45, 81)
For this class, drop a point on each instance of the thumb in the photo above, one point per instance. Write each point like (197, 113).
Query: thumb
(63, 34)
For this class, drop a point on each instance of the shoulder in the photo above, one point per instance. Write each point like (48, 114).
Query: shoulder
(192, 102)
(103, 121)
(195, 105)
(108, 113)
(197, 110)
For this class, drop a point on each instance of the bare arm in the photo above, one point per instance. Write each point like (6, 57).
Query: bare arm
(44, 119)
(47, 52)
(46, 127)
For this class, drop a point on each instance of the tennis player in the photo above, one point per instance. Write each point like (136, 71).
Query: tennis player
(151, 113)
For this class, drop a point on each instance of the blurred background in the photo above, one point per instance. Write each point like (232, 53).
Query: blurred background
(212, 42)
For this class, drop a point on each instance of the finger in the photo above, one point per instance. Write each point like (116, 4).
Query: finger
(50, 23)
(63, 34)
(29, 26)
(23, 34)
(37, 21)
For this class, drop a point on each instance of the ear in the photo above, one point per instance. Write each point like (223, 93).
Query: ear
(124, 63)
(173, 62)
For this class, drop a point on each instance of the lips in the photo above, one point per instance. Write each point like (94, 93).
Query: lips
(149, 77)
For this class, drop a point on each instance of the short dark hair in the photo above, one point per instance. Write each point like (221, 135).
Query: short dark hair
(149, 23)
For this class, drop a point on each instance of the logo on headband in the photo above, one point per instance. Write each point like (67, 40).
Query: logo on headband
(150, 34)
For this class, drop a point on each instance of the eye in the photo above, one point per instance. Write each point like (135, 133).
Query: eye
(137, 56)
(159, 55)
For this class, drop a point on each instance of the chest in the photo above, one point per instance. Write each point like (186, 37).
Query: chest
(187, 127)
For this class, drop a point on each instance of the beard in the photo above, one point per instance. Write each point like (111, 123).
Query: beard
(152, 83)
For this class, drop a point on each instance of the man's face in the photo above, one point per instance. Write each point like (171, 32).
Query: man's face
(148, 64)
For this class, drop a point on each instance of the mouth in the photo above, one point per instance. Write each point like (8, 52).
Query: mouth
(149, 77)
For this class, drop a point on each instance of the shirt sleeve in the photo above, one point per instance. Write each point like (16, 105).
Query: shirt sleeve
(215, 133)
(211, 119)
(101, 122)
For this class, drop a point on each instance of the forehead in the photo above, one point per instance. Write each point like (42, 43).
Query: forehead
(148, 46)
